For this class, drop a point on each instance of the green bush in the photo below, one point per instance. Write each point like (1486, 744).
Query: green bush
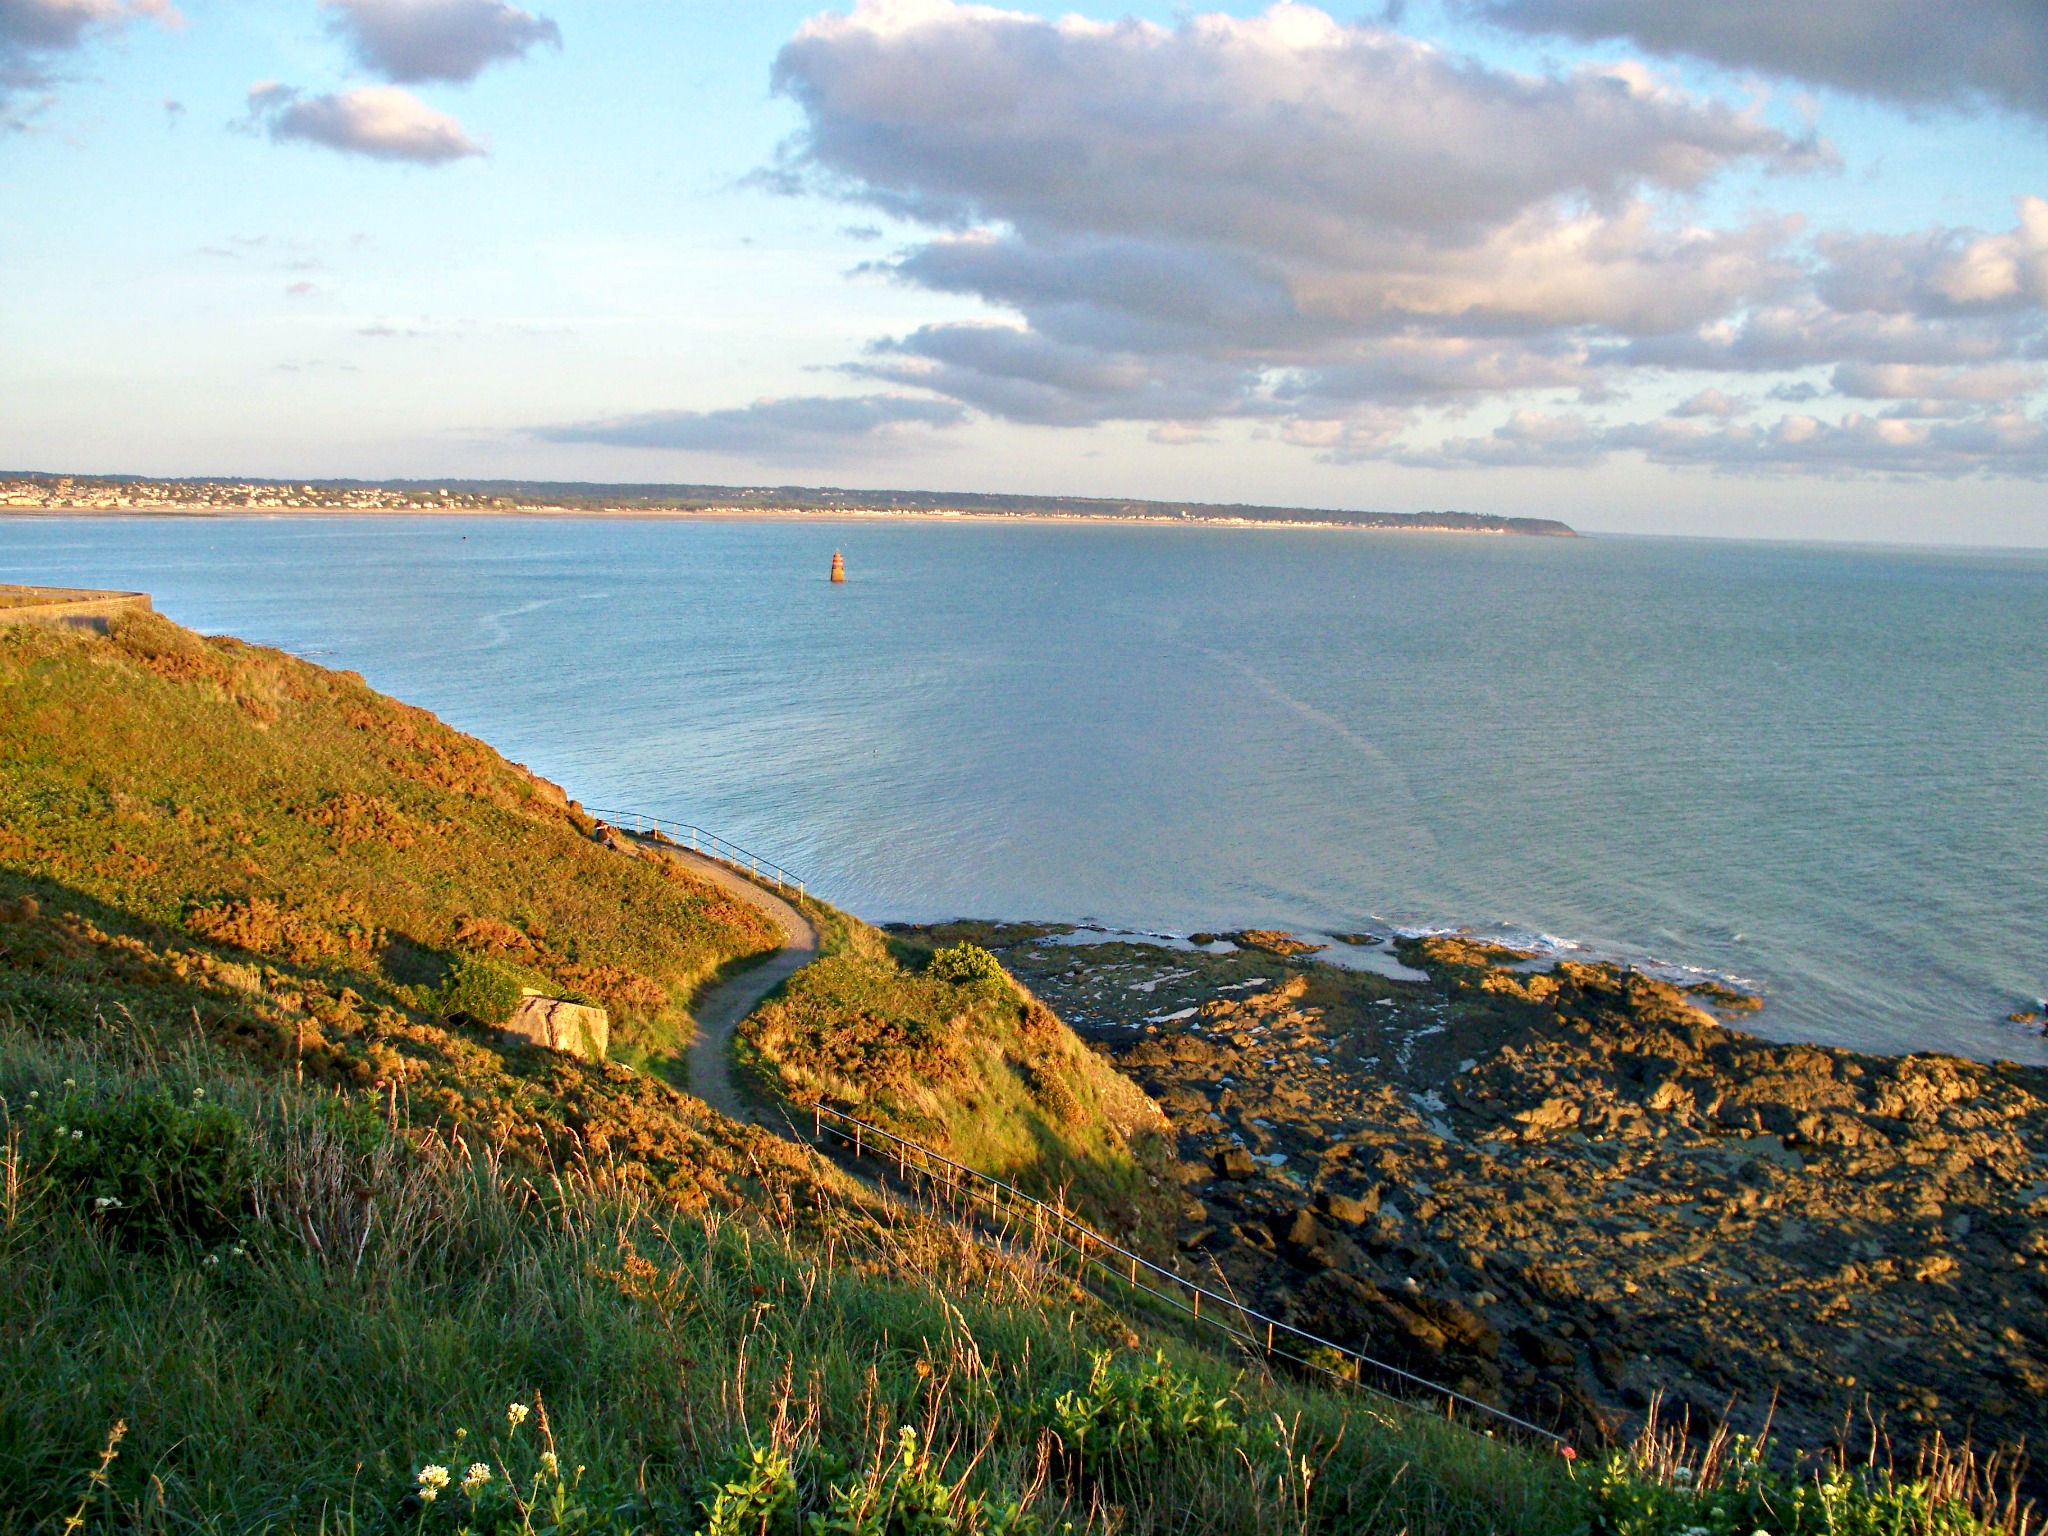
(147, 1167)
(479, 990)
(754, 1496)
(911, 1497)
(964, 964)
(1748, 1498)
(1134, 1417)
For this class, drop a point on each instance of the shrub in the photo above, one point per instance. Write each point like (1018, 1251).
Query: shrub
(149, 1168)
(1738, 1494)
(1134, 1417)
(480, 990)
(911, 1497)
(964, 964)
(754, 1496)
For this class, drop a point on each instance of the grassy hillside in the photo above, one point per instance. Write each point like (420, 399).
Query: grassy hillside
(199, 835)
(291, 1241)
(950, 1051)
(322, 1309)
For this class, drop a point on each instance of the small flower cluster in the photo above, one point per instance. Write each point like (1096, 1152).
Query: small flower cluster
(432, 1479)
(492, 1490)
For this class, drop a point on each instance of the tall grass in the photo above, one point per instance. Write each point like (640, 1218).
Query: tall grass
(386, 1292)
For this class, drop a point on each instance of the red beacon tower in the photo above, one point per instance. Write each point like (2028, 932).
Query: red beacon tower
(838, 568)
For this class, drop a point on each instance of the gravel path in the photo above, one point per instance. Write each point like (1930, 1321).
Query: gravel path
(719, 1011)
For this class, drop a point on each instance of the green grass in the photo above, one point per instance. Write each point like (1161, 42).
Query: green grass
(298, 1373)
(252, 802)
(958, 1056)
(196, 835)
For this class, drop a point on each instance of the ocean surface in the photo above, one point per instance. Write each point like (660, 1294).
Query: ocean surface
(1820, 770)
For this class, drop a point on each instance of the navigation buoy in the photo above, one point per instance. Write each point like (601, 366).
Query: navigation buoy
(838, 566)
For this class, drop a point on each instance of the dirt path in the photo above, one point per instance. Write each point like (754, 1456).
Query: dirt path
(719, 1011)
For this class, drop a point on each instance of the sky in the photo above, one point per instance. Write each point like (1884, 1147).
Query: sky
(1762, 268)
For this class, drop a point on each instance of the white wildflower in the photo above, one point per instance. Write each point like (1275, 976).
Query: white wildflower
(516, 1415)
(211, 1259)
(78, 1135)
(432, 1479)
(549, 1465)
(70, 1082)
(1681, 1474)
(474, 1479)
(106, 1203)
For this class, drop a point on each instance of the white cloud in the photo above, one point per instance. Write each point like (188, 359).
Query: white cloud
(1710, 402)
(1998, 443)
(58, 24)
(791, 429)
(1917, 51)
(1330, 232)
(1265, 216)
(411, 41)
(1527, 440)
(1943, 271)
(35, 33)
(1918, 381)
(380, 121)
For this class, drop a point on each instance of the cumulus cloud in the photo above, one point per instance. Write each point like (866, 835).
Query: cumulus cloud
(2000, 443)
(1330, 232)
(411, 41)
(382, 122)
(1918, 381)
(35, 34)
(1527, 440)
(793, 428)
(1923, 52)
(1949, 271)
(1265, 216)
(1710, 402)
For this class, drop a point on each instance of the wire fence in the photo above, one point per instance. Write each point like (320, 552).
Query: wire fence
(682, 834)
(1053, 1225)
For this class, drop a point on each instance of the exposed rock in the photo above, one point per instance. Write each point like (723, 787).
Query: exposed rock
(573, 1028)
(1352, 1210)
(1588, 1162)
(1235, 1163)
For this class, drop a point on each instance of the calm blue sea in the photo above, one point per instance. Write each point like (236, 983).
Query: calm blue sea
(1823, 770)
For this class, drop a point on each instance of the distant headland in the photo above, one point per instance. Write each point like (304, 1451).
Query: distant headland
(117, 495)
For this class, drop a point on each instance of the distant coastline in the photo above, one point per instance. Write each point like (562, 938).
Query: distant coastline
(32, 494)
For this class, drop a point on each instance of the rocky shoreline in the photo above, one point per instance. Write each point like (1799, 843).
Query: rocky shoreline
(1574, 1190)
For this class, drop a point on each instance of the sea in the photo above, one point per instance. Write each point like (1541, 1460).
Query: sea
(1817, 771)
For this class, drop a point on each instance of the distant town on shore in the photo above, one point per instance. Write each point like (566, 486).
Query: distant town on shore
(23, 492)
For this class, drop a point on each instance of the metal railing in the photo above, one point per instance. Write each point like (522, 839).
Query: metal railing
(681, 834)
(1054, 1224)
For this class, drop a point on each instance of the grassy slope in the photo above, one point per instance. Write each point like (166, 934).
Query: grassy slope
(377, 1229)
(288, 1386)
(981, 1071)
(208, 833)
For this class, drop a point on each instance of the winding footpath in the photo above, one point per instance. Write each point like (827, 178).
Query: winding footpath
(718, 1012)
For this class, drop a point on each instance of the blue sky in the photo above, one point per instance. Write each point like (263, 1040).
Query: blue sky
(1555, 257)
